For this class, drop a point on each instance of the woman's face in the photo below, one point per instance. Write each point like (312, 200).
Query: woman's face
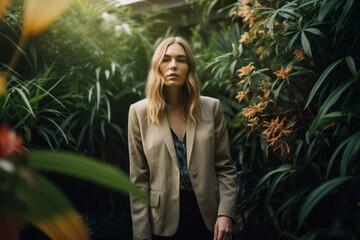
(174, 66)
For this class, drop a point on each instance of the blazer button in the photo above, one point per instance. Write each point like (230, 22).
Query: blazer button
(194, 174)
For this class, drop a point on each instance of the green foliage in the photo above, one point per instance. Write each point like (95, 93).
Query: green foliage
(70, 91)
(295, 125)
(28, 197)
(287, 73)
(99, 58)
(99, 73)
(32, 109)
(82, 167)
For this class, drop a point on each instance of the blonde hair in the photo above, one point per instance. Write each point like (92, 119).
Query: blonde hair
(155, 84)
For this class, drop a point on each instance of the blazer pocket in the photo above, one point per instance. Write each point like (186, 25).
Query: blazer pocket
(154, 198)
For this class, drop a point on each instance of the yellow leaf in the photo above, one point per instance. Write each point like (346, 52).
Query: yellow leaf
(65, 226)
(40, 14)
(3, 5)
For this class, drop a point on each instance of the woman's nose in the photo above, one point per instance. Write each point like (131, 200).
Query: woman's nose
(173, 64)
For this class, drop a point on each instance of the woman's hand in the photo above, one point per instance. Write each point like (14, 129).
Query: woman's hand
(223, 228)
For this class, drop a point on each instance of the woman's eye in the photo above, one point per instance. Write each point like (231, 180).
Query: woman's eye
(182, 60)
(165, 60)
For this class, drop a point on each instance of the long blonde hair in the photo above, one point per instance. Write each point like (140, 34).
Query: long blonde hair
(155, 84)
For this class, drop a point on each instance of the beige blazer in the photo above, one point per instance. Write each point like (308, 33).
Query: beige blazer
(154, 169)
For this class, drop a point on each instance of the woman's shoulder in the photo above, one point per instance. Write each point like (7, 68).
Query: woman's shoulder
(206, 100)
(140, 106)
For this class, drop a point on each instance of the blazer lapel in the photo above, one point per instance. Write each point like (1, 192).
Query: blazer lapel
(166, 133)
(190, 136)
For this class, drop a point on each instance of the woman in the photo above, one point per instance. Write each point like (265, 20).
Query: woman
(179, 154)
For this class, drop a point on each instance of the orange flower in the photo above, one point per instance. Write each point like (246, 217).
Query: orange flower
(284, 73)
(63, 225)
(9, 142)
(244, 37)
(299, 54)
(40, 14)
(273, 127)
(275, 131)
(259, 50)
(244, 11)
(245, 71)
(249, 16)
(241, 95)
(253, 122)
(3, 5)
(251, 111)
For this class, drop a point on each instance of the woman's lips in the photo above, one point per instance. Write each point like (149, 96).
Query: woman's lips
(173, 75)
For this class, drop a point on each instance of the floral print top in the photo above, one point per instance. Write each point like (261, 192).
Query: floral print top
(180, 147)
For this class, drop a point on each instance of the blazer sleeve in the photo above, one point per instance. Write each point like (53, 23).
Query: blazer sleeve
(139, 175)
(225, 170)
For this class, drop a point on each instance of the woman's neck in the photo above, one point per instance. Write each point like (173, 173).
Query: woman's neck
(173, 96)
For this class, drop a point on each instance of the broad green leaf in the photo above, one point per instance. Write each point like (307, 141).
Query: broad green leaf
(351, 65)
(346, 9)
(232, 68)
(59, 129)
(108, 108)
(277, 91)
(315, 31)
(325, 8)
(330, 101)
(86, 168)
(306, 44)
(45, 133)
(102, 129)
(26, 101)
(308, 2)
(81, 135)
(332, 117)
(334, 156)
(97, 73)
(270, 24)
(91, 89)
(288, 7)
(317, 195)
(278, 179)
(98, 90)
(94, 113)
(282, 168)
(350, 154)
(293, 198)
(321, 80)
(292, 40)
(274, 84)
(46, 93)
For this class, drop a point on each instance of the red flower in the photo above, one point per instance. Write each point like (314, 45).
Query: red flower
(9, 142)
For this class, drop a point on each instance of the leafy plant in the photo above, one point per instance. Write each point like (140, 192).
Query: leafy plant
(30, 106)
(28, 197)
(297, 80)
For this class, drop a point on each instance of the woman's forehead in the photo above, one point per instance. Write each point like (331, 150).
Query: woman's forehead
(175, 49)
